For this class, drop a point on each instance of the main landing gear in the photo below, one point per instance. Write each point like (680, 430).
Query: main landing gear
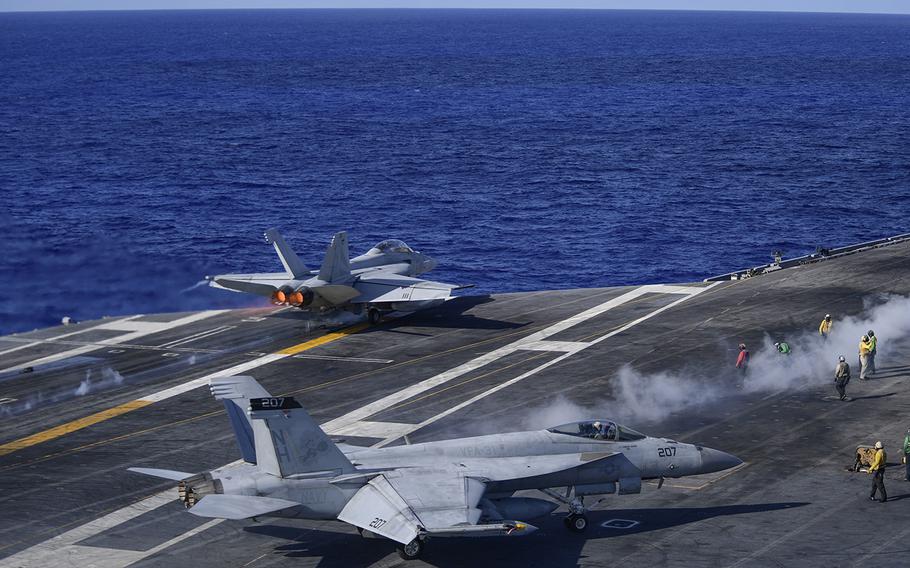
(411, 550)
(374, 315)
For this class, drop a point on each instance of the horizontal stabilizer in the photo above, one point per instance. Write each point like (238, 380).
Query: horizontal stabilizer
(235, 507)
(162, 473)
(260, 284)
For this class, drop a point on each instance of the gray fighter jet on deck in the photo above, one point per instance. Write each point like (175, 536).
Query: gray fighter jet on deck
(381, 280)
(458, 487)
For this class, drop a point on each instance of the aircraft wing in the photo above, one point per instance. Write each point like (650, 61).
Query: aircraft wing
(403, 503)
(384, 287)
(262, 284)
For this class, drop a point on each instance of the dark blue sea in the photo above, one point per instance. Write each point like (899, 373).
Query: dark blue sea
(525, 150)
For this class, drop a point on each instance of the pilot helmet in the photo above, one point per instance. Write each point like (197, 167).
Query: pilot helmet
(597, 425)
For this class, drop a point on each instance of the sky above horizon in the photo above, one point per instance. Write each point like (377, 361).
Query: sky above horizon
(867, 6)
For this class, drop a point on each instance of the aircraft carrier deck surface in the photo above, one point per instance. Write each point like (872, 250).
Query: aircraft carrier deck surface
(81, 403)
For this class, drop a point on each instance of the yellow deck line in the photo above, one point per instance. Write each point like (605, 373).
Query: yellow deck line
(327, 338)
(91, 419)
(64, 429)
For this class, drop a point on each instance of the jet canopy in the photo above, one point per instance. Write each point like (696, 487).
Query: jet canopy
(390, 245)
(598, 430)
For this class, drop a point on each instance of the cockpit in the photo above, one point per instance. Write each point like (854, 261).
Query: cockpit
(598, 430)
(390, 245)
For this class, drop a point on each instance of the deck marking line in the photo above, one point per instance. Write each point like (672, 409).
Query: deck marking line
(327, 338)
(68, 427)
(158, 327)
(171, 392)
(33, 343)
(345, 422)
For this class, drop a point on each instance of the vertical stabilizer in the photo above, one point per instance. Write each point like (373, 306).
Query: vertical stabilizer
(288, 257)
(336, 268)
(236, 393)
(289, 442)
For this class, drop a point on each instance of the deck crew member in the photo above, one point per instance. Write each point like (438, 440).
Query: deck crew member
(742, 361)
(865, 349)
(877, 469)
(841, 377)
(907, 455)
(824, 328)
(874, 341)
(783, 347)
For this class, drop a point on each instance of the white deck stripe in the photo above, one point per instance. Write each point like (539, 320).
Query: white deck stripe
(559, 346)
(360, 414)
(64, 547)
(352, 430)
(158, 327)
(197, 336)
(33, 343)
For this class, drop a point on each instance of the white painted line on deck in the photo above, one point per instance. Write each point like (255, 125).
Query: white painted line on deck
(64, 547)
(33, 343)
(394, 430)
(536, 370)
(557, 346)
(152, 327)
(528, 342)
(196, 336)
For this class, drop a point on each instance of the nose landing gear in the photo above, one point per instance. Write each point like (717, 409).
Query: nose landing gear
(576, 521)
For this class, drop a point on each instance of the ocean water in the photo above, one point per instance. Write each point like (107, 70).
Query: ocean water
(525, 150)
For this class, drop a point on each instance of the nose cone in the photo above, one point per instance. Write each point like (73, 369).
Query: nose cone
(716, 460)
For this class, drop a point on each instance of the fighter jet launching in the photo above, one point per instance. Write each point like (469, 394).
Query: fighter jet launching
(381, 280)
(457, 487)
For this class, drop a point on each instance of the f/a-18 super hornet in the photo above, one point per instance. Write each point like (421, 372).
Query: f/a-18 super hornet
(383, 279)
(408, 493)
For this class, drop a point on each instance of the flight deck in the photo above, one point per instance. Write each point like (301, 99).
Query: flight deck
(81, 403)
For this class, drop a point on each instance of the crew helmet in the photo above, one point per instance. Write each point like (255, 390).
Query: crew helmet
(871, 333)
(841, 359)
(827, 316)
(865, 338)
(742, 345)
(777, 343)
(878, 445)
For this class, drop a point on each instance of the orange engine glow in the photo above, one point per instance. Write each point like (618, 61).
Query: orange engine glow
(278, 297)
(296, 298)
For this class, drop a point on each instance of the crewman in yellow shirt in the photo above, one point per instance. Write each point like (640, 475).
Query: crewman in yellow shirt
(877, 469)
(824, 328)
